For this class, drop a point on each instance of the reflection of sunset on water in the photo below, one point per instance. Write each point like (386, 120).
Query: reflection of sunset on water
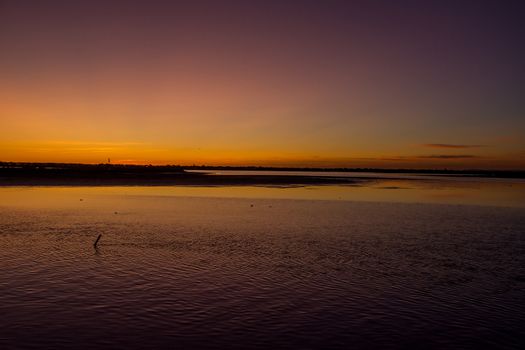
(478, 192)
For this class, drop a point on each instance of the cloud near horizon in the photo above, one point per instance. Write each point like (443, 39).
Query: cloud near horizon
(448, 156)
(429, 156)
(447, 145)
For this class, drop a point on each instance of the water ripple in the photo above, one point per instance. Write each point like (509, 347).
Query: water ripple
(304, 274)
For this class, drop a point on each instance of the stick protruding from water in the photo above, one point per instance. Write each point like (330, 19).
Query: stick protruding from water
(96, 242)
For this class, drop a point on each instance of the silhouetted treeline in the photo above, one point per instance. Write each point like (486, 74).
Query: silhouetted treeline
(89, 171)
(111, 168)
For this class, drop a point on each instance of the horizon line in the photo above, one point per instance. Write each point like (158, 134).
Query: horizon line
(266, 167)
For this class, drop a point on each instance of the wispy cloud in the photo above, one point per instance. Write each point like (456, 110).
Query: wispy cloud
(94, 143)
(448, 156)
(448, 145)
(394, 158)
(427, 156)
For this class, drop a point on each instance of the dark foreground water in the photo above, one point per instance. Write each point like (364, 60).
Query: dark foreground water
(190, 272)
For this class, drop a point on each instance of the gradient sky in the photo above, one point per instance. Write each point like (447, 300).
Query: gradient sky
(419, 84)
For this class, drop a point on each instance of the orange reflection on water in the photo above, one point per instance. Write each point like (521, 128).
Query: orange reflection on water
(490, 193)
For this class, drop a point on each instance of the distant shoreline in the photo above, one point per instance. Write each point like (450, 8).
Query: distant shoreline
(58, 174)
(448, 172)
(39, 174)
(180, 180)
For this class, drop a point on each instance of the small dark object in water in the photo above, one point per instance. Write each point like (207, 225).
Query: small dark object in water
(251, 205)
(116, 212)
(81, 199)
(96, 242)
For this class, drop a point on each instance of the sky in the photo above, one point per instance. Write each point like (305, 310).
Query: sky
(386, 84)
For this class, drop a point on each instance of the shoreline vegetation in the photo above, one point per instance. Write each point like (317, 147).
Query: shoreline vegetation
(64, 174)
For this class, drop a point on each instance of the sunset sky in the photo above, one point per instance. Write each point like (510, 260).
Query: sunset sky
(392, 84)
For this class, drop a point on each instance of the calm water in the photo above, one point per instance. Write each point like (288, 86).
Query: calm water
(250, 267)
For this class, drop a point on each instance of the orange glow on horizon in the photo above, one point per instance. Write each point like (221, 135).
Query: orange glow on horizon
(144, 154)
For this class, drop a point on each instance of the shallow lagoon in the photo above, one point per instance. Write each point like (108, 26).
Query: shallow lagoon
(390, 264)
